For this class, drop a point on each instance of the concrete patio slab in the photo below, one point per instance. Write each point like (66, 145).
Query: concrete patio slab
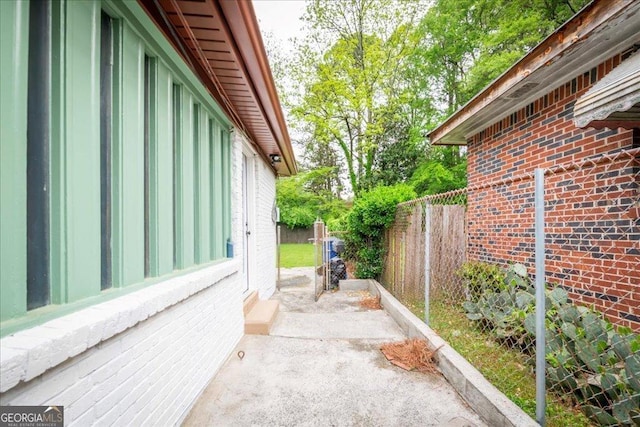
(322, 366)
(299, 382)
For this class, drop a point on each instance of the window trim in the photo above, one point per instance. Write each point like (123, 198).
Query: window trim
(107, 55)
(38, 154)
(65, 299)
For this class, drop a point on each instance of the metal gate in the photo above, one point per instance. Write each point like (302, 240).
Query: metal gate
(320, 267)
(329, 267)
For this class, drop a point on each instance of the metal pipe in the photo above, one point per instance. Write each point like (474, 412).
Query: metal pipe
(427, 259)
(540, 297)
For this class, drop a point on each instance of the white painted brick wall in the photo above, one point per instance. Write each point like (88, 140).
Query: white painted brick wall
(263, 265)
(266, 230)
(152, 372)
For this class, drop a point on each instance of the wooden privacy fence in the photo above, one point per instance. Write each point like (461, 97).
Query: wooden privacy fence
(405, 265)
(296, 235)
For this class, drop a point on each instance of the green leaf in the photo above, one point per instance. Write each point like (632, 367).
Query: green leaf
(570, 331)
(474, 316)
(568, 313)
(530, 323)
(625, 330)
(588, 354)
(561, 376)
(520, 270)
(622, 409)
(632, 369)
(599, 415)
(594, 327)
(470, 307)
(558, 297)
(524, 299)
(621, 346)
(609, 383)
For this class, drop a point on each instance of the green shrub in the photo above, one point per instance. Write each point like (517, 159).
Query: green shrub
(585, 355)
(373, 212)
(480, 276)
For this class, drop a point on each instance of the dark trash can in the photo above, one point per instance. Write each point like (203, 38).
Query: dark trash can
(331, 248)
(338, 271)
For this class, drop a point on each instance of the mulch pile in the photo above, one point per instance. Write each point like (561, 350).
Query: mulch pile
(371, 302)
(412, 354)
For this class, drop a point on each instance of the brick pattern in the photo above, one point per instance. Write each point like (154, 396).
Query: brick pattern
(265, 270)
(593, 231)
(151, 373)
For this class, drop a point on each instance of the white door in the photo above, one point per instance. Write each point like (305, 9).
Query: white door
(246, 219)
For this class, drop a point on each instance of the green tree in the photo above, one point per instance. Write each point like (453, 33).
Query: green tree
(301, 199)
(350, 69)
(465, 44)
(516, 26)
(449, 36)
(443, 171)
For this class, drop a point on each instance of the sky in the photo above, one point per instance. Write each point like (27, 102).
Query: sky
(280, 17)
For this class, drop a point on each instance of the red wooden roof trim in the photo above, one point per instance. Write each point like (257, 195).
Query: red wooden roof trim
(240, 17)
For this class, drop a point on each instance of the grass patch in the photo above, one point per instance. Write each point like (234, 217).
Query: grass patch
(296, 255)
(505, 368)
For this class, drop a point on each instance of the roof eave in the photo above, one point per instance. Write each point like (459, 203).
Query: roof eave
(572, 35)
(242, 22)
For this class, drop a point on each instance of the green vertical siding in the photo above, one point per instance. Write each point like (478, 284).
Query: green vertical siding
(154, 245)
(202, 240)
(164, 171)
(219, 244)
(128, 166)
(226, 183)
(81, 149)
(14, 43)
(187, 191)
(196, 168)
(202, 184)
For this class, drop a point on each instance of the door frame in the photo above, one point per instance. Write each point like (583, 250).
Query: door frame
(248, 191)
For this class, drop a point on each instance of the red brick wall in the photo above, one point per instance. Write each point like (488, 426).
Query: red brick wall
(593, 234)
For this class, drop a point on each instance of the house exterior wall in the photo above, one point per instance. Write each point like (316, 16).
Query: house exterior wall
(262, 241)
(591, 241)
(266, 242)
(141, 359)
(140, 352)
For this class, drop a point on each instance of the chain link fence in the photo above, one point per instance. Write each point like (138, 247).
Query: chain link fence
(466, 261)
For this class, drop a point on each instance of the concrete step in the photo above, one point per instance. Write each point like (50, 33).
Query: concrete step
(261, 317)
(354, 285)
(249, 302)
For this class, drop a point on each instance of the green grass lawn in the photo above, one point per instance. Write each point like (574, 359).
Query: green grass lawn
(296, 255)
(505, 368)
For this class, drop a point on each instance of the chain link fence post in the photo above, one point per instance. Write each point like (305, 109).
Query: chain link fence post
(540, 298)
(427, 259)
